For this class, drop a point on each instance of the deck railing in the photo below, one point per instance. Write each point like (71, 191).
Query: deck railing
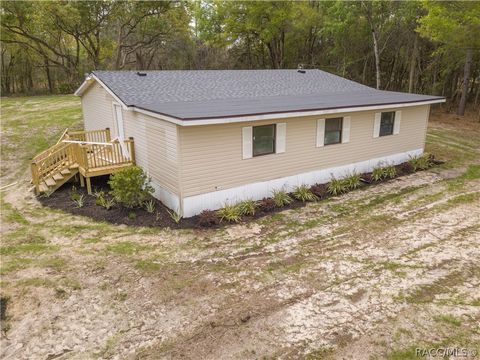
(86, 150)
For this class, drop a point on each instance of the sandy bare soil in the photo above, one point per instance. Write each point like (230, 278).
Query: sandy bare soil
(372, 274)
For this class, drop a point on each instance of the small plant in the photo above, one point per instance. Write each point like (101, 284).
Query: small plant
(389, 172)
(98, 193)
(107, 203)
(130, 187)
(248, 207)
(208, 218)
(231, 213)
(149, 206)
(132, 215)
(320, 190)
(420, 162)
(175, 216)
(303, 193)
(336, 186)
(267, 204)
(80, 202)
(74, 195)
(352, 181)
(378, 174)
(281, 198)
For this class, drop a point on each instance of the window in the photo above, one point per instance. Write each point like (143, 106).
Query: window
(263, 140)
(386, 123)
(333, 131)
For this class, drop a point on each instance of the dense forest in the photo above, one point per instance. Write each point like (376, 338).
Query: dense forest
(423, 47)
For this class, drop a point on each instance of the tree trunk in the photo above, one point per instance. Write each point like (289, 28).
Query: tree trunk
(377, 57)
(412, 64)
(466, 78)
(49, 77)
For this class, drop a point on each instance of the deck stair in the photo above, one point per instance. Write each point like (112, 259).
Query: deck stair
(82, 154)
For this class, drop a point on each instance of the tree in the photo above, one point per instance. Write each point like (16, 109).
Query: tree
(456, 26)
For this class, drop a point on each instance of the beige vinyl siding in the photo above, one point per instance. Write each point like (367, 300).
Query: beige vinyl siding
(97, 109)
(155, 148)
(211, 155)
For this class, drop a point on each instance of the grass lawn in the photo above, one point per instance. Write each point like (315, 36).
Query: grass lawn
(375, 273)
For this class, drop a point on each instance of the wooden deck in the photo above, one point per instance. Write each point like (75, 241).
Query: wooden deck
(80, 153)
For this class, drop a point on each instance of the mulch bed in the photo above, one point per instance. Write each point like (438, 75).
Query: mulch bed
(61, 199)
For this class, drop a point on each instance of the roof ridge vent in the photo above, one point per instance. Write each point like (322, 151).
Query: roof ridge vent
(141, 73)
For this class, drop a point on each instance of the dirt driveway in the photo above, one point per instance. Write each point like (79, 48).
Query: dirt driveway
(375, 273)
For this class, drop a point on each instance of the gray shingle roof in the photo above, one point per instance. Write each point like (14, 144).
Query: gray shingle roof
(201, 94)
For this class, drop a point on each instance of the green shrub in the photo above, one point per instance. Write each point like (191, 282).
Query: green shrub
(336, 186)
(281, 198)
(352, 181)
(248, 207)
(132, 215)
(231, 213)
(303, 193)
(130, 187)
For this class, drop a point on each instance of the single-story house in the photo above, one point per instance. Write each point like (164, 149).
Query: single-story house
(207, 138)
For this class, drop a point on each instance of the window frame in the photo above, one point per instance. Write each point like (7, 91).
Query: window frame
(274, 140)
(339, 131)
(391, 132)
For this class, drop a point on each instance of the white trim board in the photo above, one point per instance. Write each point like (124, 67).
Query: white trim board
(194, 205)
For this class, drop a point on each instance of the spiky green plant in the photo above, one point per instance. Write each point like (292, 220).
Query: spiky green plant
(231, 213)
(149, 206)
(336, 186)
(420, 162)
(378, 174)
(352, 181)
(248, 207)
(80, 202)
(389, 172)
(303, 193)
(175, 216)
(281, 198)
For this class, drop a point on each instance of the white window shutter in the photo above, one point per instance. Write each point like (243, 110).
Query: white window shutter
(376, 126)
(320, 132)
(247, 146)
(346, 129)
(280, 138)
(396, 124)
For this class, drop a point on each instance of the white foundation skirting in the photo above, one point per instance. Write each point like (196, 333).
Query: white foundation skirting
(194, 205)
(168, 199)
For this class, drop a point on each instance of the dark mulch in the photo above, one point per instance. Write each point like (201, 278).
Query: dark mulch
(61, 199)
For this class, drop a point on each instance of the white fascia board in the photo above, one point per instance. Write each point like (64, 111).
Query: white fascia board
(276, 116)
(88, 81)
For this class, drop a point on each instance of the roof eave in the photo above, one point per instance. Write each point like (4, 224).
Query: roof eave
(277, 115)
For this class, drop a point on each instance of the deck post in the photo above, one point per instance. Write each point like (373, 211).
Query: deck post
(35, 177)
(107, 135)
(82, 180)
(132, 150)
(89, 186)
